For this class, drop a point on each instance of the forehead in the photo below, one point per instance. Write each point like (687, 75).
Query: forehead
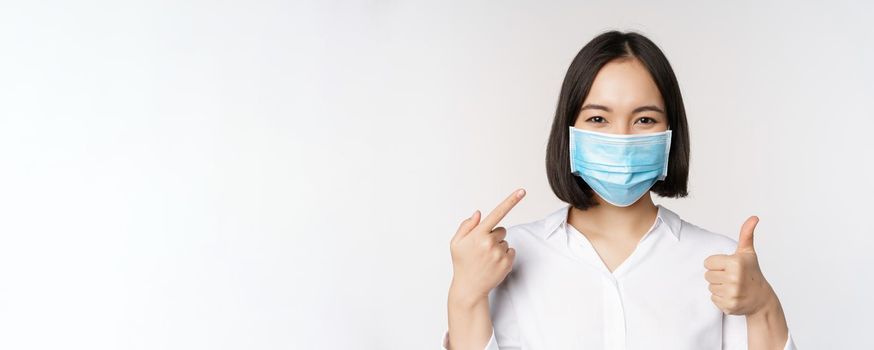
(624, 83)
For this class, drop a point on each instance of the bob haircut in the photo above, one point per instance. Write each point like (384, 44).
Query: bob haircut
(577, 83)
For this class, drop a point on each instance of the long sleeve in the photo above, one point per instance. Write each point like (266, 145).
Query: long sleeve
(491, 345)
(790, 344)
(734, 334)
(505, 325)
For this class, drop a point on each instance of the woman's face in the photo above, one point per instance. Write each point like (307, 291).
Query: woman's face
(623, 100)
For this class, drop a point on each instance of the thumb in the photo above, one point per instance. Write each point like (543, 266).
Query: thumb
(745, 240)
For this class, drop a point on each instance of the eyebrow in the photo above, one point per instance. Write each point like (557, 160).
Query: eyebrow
(636, 110)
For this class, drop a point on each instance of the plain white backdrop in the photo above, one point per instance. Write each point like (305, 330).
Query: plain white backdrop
(272, 175)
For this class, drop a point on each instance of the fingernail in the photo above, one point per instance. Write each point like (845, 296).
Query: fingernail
(520, 193)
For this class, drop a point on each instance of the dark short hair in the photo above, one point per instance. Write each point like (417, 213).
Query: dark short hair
(577, 83)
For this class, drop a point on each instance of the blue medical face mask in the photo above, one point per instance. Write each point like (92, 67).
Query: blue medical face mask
(620, 168)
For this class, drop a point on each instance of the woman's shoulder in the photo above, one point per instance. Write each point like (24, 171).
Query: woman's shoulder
(699, 237)
(538, 230)
(689, 234)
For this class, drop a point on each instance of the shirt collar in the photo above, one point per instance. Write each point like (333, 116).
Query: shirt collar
(557, 219)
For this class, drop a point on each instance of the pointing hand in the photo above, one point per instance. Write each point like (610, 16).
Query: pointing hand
(481, 258)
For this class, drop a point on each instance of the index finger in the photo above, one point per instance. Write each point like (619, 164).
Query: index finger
(715, 262)
(501, 210)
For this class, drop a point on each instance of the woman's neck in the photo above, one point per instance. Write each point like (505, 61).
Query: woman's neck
(611, 221)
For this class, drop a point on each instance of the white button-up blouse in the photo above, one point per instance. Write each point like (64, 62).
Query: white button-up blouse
(560, 294)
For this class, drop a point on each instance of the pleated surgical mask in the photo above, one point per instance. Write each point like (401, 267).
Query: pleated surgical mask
(620, 168)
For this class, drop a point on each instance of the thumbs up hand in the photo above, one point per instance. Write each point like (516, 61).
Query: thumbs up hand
(737, 285)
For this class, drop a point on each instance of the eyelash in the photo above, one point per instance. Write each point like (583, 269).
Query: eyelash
(650, 120)
(592, 121)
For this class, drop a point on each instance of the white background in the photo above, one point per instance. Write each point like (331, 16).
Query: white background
(270, 175)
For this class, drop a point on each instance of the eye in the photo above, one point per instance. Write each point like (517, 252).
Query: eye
(596, 119)
(646, 120)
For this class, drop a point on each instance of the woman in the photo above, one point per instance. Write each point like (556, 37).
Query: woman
(611, 269)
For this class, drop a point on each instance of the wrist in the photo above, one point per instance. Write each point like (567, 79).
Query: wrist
(459, 296)
(766, 327)
(769, 306)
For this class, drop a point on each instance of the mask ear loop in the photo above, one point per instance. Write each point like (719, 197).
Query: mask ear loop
(669, 135)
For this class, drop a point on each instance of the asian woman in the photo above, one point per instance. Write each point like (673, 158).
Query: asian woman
(611, 269)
